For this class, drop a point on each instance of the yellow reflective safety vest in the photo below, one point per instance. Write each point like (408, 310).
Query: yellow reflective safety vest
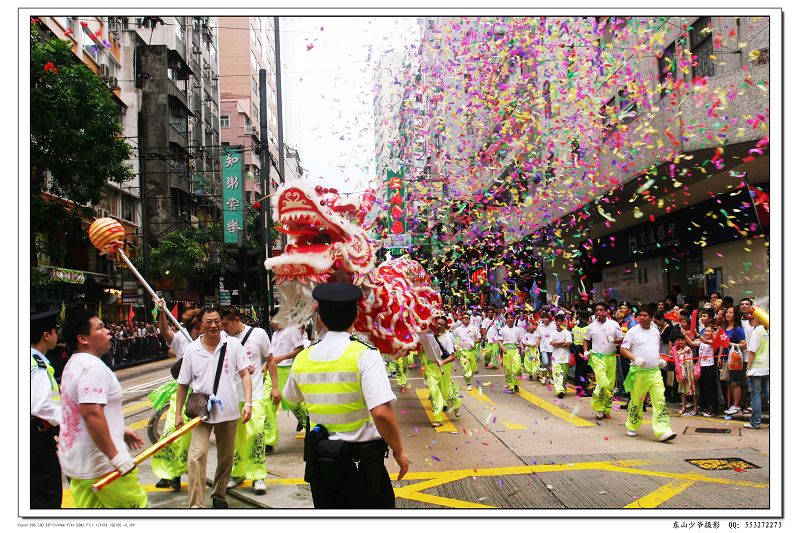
(332, 389)
(578, 334)
(39, 363)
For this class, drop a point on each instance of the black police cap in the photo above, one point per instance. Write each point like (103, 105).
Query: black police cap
(44, 320)
(337, 293)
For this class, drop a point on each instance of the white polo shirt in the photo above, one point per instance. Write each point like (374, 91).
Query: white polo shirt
(602, 336)
(200, 367)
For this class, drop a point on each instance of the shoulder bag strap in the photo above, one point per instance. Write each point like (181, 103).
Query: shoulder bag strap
(219, 368)
(247, 336)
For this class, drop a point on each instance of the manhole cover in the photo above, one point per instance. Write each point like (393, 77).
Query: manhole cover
(713, 431)
(722, 463)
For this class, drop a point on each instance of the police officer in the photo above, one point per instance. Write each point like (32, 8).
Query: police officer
(45, 414)
(344, 384)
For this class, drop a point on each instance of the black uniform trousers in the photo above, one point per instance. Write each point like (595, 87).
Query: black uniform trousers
(360, 479)
(45, 469)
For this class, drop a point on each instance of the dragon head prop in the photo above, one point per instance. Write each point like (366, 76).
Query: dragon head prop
(325, 234)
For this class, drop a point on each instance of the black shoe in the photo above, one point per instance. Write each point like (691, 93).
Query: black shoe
(516, 388)
(444, 409)
(175, 484)
(269, 449)
(163, 484)
(623, 406)
(219, 503)
(299, 427)
(560, 394)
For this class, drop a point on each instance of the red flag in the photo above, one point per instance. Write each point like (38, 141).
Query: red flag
(761, 204)
(672, 315)
(131, 314)
(720, 340)
(175, 310)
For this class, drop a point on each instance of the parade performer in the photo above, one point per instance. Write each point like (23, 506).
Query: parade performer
(45, 477)
(287, 342)
(169, 463)
(401, 371)
(509, 342)
(544, 333)
(341, 379)
(439, 351)
(530, 353)
(467, 337)
(641, 347)
(329, 240)
(561, 341)
(249, 458)
(603, 334)
(581, 365)
(94, 440)
(491, 350)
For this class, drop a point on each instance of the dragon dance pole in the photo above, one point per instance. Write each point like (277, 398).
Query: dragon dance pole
(172, 437)
(107, 235)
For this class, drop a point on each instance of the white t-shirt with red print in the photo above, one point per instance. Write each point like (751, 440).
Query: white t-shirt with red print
(86, 379)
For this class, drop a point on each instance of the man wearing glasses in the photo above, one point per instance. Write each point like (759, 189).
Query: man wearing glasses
(199, 368)
(45, 414)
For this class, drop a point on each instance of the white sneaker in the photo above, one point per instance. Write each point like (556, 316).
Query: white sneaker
(632, 433)
(733, 410)
(259, 487)
(543, 380)
(669, 435)
(436, 424)
(469, 387)
(457, 412)
(235, 482)
(599, 415)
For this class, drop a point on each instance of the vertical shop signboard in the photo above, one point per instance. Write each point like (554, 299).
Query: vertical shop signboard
(232, 196)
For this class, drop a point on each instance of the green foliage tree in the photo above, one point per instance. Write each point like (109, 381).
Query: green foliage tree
(76, 137)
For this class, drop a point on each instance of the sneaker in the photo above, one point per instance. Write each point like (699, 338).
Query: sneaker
(598, 415)
(732, 410)
(436, 424)
(689, 405)
(494, 368)
(623, 406)
(516, 388)
(259, 487)
(508, 391)
(457, 412)
(218, 503)
(549, 381)
(163, 484)
(269, 449)
(692, 413)
(543, 380)
(476, 372)
(299, 427)
(687, 413)
(750, 426)
(748, 410)
(235, 482)
(403, 388)
(175, 483)
(469, 387)
(560, 394)
(668, 436)
(706, 414)
(632, 433)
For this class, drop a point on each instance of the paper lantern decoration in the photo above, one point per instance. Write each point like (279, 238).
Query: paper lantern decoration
(107, 235)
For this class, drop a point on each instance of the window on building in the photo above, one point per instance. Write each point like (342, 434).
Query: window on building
(667, 68)
(180, 32)
(68, 23)
(255, 85)
(128, 209)
(90, 46)
(225, 121)
(253, 61)
(702, 46)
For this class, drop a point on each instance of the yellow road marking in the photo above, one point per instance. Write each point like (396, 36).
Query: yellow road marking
(554, 409)
(424, 398)
(478, 395)
(512, 425)
(140, 424)
(660, 495)
(135, 407)
(444, 502)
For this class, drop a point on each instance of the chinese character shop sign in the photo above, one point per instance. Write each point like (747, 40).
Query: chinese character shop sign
(397, 202)
(232, 195)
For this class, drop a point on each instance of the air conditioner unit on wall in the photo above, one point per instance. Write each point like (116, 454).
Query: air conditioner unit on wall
(113, 82)
(103, 71)
(196, 50)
